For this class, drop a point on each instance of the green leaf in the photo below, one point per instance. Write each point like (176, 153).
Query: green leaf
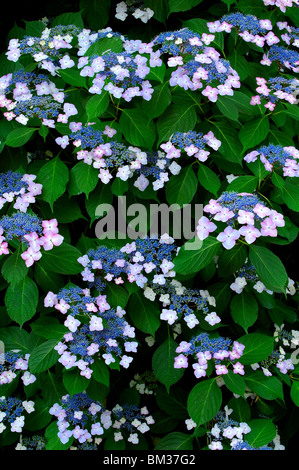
(54, 176)
(269, 388)
(175, 441)
(232, 260)
(97, 105)
(227, 108)
(262, 432)
(83, 179)
(95, 18)
(208, 179)
(73, 77)
(67, 19)
(21, 300)
(239, 64)
(181, 188)
(292, 110)
(15, 338)
(43, 357)
(174, 402)
(269, 268)
(244, 309)
(177, 118)
(100, 195)
(160, 100)
(195, 255)
(230, 147)
(254, 132)
(49, 328)
(73, 381)
(204, 401)
(163, 363)
(19, 137)
(295, 393)
(290, 194)
(182, 5)
(52, 440)
(14, 268)
(100, 372)
(47, 280)
(144, 313)
(62, 259)
(257, 347)
(244, 183)
(136, 128)
(40, 417)
(235, 383)
(116, 295)
(160, 7)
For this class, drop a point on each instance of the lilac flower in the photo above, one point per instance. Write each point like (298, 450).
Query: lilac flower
(228, 237)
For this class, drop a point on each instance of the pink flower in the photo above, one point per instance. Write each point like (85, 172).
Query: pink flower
(205, 227)
(180, 362)
(62, 306)
(30, 256)
(250, 233)
(228, 237)
(213, 207)
(268, 228)
(72, 323)
(96, 323)
(210, 93)
(262, 211)
(238, 368)
(51, 239)
(50, 225)
(199, 370)
(221, 369)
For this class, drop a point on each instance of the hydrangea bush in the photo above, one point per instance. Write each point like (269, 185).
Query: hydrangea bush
(159, 341)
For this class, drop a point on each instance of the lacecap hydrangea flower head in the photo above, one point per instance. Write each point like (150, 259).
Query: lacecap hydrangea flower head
(246, 216)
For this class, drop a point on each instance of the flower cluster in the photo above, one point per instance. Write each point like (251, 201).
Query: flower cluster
(10, 363)
(274, 90)
(145, 383)
(101, 332)
(195, 63)
(281, 4)
(246, 276)
(286, 58)
(94, 148)
(27, 94)
(30, 230)
(229, 434)
(122, 74)
(81, 418)
(276, 157)
(203, 348)
(18, 187)
(137, 9)
(52, 49)
(158, 168)
(193, 143)
(46, 49)
(31, 443)
(130, 419)
(179, 301)
(12, 413)
(249, 28)
(278, 358)
(143, 260)
(245, 214)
